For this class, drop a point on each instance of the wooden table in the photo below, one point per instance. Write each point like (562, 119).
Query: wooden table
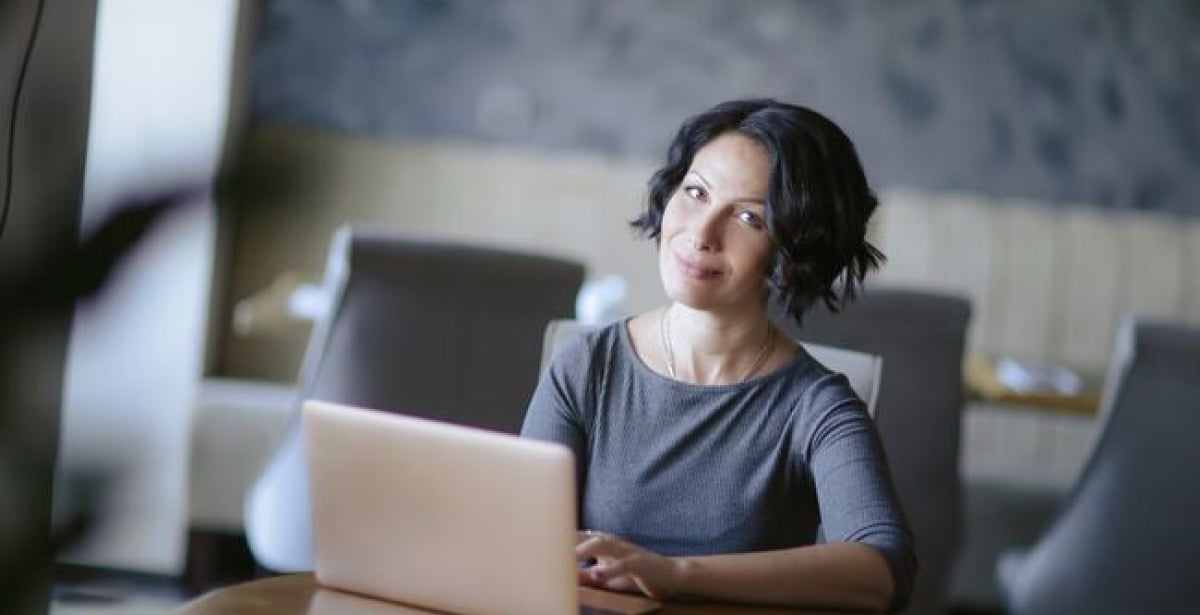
(979, 375)
(299, 594)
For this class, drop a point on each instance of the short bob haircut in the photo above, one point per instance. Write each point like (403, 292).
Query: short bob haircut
(818, 200)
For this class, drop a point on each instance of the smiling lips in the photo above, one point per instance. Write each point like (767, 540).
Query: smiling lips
(694, 269)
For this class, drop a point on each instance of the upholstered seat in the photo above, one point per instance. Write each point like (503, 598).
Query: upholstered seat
(1127, 539)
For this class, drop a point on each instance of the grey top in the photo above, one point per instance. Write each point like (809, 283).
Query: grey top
(686, 469)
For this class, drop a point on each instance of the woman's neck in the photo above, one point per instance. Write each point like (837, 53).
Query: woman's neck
(708, 348)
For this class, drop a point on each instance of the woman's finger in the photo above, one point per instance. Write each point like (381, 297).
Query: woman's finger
(586, 548)
(611, 567)
(586, 535)
(585, 576)
(602, 545)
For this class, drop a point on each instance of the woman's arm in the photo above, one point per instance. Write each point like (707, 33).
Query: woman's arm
(834, 575)
(556, 408)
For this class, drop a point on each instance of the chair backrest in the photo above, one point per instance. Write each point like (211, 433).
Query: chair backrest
(921, 336)
(439, 330)
(429, 328)
(1126, 541)
(861, 369)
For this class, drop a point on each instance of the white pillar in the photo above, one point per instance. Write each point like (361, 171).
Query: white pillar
(159, 102)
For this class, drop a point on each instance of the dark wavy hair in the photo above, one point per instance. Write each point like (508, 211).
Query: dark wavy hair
(818, 200)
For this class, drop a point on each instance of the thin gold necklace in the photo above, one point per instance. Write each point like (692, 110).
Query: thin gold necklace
(665, 333)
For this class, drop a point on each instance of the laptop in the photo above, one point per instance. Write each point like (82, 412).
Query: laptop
(445, 517)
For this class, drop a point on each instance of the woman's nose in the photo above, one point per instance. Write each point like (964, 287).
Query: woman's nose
(705, 231)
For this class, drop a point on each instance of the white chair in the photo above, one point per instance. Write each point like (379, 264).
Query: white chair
(861, 369)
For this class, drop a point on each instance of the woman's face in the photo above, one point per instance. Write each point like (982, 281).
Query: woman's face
(714, 244)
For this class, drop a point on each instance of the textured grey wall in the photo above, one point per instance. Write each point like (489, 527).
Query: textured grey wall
(1071, 100)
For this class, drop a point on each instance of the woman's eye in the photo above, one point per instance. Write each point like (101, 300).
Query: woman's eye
(751, 219)
(694, 192)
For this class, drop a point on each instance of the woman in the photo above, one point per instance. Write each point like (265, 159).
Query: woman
(710, 447)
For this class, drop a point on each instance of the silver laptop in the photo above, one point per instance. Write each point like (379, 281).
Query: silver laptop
(445, 517)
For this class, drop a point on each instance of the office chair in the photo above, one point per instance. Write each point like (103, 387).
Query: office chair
(1126, 540)
(921, 336)
(432, 329)
(861, 369)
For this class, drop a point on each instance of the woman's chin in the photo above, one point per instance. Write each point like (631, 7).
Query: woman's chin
(706, 296)
(689, 295)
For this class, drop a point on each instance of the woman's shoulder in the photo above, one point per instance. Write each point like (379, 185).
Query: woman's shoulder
(577, 344)
(599, 336)
(819, 386)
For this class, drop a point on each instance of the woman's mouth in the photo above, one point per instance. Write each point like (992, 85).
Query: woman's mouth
(695, 269)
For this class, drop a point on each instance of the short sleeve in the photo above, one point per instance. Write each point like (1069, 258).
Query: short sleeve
(857, 500)
(556, 411)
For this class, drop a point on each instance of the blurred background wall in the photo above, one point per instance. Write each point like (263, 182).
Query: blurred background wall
(1069, 100)
(537, 122)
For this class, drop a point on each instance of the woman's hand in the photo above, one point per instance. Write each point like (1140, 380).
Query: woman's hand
(623, 566)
